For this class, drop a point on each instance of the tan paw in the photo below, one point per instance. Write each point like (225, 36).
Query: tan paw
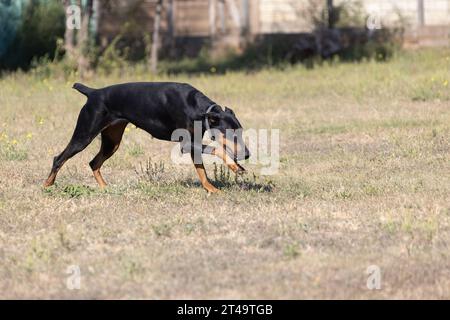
(210, 188)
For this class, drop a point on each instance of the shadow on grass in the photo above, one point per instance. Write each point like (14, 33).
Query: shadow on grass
(71, 191)
(224, 179)
(236, 185)
(81, 191)
(153, 179)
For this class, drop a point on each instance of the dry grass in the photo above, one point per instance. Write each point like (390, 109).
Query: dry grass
(364, 180)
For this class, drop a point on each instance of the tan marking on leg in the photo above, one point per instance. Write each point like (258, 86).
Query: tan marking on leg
(50, 180)
(111, 138)
(221, 153)
(204, 179)
(227, 160)
(52, 177)
(98, 176)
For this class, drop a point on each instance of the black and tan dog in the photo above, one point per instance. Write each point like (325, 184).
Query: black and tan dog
(158, 108)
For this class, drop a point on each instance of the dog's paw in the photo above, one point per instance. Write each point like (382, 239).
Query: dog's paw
(210, 189)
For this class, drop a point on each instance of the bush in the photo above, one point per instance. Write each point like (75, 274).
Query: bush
(9, 23)
(41, 24)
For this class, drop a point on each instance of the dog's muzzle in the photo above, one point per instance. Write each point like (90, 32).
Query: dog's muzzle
(240, 156)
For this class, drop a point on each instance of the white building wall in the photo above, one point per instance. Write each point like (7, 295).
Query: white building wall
(436, 12)
(288, 16)
(283, 16)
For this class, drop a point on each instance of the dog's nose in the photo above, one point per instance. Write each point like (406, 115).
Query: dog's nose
(247, 154)
(243, 154)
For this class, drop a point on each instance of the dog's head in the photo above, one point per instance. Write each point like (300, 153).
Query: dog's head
(227, 131)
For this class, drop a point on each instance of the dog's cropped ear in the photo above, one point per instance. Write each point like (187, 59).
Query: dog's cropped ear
(228, 110)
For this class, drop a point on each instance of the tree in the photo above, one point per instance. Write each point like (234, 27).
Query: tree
(155, 38)
(69, 35)
(331, 14)
(84, 40)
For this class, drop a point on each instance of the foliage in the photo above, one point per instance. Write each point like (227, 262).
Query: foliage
(9, 23)
(42, 23)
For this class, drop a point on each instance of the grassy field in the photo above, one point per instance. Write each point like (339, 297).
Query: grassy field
(364, 180)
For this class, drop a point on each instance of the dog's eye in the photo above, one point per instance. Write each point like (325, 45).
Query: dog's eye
(213, 120)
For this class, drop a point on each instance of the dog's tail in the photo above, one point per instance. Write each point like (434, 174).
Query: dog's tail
(83, 89)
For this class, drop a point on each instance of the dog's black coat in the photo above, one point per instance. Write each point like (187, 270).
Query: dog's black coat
(156, 107)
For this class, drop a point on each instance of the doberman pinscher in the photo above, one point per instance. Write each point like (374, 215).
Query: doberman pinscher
(158, 108)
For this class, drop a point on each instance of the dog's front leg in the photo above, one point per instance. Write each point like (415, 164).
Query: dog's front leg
(200, 168)
(235, 167)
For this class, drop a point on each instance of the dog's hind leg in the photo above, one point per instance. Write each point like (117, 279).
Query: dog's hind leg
(90, 123)
(111, 138)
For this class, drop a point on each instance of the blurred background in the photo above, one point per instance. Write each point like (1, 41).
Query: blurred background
(196, 35)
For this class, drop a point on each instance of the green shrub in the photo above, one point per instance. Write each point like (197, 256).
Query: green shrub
(41, 24)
